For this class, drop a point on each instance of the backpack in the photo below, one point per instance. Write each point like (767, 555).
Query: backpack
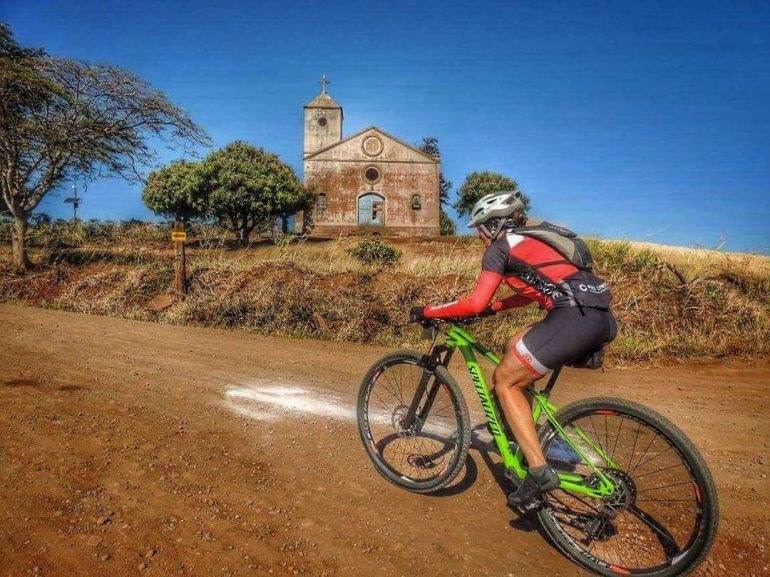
(562, 240)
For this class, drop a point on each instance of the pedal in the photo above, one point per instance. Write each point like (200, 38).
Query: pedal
(525, 508)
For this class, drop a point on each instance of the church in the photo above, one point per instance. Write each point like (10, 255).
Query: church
(369, 182)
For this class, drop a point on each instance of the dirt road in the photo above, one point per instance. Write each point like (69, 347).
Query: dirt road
(131, 448)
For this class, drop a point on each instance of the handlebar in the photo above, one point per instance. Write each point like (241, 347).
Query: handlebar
(462, 321)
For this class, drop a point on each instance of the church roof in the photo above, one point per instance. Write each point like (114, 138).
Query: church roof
(323, 100)
(381, 131)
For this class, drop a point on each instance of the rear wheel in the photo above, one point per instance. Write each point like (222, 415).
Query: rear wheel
(425, 455)
(661, 520)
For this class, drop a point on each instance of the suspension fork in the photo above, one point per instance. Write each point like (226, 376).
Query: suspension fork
(438, 355)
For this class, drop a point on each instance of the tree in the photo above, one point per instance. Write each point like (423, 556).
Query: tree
(248, 188)
(64, 119)
(177, 191)
(430, 146)
(292, 200)
(446, 224)
(478, 184)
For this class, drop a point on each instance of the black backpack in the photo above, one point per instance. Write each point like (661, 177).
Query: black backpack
(564, 241)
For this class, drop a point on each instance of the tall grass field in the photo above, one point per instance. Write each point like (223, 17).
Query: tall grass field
(671, 303)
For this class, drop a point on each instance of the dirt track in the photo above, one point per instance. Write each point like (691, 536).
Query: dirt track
(132, 448)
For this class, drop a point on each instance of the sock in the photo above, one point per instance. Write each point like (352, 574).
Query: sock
(538, 471)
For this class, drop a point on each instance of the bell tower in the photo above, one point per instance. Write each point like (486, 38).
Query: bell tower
(323, 121)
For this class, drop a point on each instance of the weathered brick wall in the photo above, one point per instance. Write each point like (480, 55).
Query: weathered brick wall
(318, 136)
(340, 174)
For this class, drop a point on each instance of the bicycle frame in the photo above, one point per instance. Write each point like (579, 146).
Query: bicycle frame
(457, 338)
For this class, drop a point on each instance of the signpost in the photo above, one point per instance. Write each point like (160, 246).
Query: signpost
(75, 201)
(179, 236)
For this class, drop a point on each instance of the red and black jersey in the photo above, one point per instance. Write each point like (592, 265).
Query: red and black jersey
(537, 271)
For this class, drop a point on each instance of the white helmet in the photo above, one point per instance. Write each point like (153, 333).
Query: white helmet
(496, 206)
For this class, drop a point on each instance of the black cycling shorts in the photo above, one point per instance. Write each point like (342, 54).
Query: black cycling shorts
(563, 336)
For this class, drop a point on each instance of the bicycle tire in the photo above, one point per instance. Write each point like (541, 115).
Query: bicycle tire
(708, 516)
(460, 410)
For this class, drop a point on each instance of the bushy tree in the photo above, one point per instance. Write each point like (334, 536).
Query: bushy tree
(248, 187)
(65, 119)
(478, 184)
(177, 191)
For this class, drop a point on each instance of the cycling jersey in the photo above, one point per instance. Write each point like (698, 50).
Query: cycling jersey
(537, 271)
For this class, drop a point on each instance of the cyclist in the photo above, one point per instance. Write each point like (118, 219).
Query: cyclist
(578, 321)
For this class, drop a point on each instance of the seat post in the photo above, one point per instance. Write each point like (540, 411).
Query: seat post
(551, 382)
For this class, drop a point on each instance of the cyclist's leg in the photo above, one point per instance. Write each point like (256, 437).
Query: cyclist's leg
(562, 336)
(510, 379)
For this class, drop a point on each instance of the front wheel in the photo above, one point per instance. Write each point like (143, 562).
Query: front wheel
(422, 454)
(662, 518)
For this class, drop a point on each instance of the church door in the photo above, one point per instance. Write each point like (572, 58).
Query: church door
(371, 209)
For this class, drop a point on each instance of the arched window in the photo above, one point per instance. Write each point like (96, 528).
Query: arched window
(416, 202)
(321, 201)
(371, 209)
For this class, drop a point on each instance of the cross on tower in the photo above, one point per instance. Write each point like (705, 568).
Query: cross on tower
(323, 82)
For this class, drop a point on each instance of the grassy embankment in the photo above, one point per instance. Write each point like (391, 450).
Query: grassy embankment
(671, 303)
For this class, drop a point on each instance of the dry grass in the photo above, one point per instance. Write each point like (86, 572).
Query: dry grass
(672, 303)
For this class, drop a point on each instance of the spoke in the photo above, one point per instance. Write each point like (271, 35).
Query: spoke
(636, 439)
(382, 402)
(639, 514)
(688, 482)
(617, 436)
(392, 391)
(596, 433)
(651, 459)
(396, 385)
(668, 500)
(645, 451)
(668, 504)
(636, 477)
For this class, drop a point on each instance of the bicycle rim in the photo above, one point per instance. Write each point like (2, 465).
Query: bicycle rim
(426, 455)
(655, 522)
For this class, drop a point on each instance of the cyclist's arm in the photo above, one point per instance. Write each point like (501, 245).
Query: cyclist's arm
(511, 302)
(472, 305)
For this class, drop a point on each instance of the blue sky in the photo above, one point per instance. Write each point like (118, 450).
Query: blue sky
(640, 120)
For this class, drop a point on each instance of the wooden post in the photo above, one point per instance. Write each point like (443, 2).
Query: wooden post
(180, 281)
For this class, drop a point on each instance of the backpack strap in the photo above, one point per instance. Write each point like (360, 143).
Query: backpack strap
(552, 262)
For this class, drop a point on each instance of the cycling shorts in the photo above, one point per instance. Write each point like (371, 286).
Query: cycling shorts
(563, 336)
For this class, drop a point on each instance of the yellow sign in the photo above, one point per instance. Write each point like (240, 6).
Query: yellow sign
(178, 236)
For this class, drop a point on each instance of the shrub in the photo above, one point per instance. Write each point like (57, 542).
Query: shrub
(282, 240)
(375, 252)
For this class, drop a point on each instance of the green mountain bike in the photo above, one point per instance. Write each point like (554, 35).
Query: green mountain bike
(636, 497)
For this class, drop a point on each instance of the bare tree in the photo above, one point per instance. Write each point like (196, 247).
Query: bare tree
(69, 118)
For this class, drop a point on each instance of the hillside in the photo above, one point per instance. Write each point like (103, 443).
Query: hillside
(672, 303)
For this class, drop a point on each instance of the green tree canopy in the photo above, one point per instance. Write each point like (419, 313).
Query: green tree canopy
(65, 119)
(248, 187)
(177, 191)
(477, 184)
